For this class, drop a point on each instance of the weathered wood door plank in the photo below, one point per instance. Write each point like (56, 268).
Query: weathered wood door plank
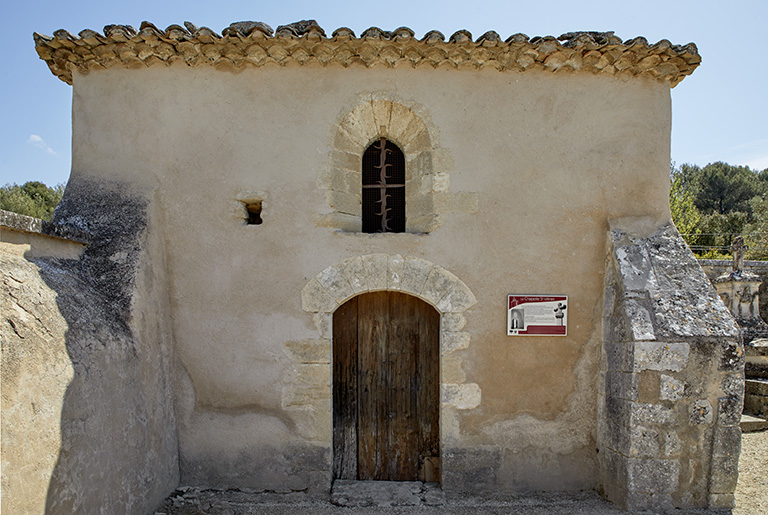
(386, 387)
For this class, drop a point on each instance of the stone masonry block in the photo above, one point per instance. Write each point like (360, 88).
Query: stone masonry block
(438, 282)
(451, 342)
(326, 177)
(312, 374)
(335, 283)
(729, 410)
(305, 397)
(343, 202)
(722, 501)
(323, 323)
(354, 271)
(621, 385)
(673, 446)
(451, 371)
(461, 396)
(346, 181)
(701, 412)
(418, 142)
(614, 436)
(471, 470)
(421, 205)
(415, 137)
(725, 474)
(727, 441)
(641, 413)
(652, 475)
(399, 120)
(421, 164)
(382, 112)
(731, 356)
(661, 356)
(415, 273)
(423, 224)
(651, 502)
(644, 442)
(347, 161)
(614, 355)
(342, 221)
(639, 321)
(452, 322)
(361, 121)
(375, 266)
(314, 297)
(347, 140)
(670, 388)
(459, 298)
(635, 268)
(395, 270)
(442, 160)
(441, 182)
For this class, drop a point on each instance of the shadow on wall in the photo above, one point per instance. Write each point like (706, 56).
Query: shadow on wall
(105, 315)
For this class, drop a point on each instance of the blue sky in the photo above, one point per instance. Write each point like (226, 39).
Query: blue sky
(718, 114)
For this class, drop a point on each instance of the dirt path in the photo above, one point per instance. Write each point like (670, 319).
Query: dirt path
(752, 489)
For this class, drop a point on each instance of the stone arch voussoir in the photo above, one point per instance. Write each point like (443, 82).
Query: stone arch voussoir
(412, 275)
(427, 165)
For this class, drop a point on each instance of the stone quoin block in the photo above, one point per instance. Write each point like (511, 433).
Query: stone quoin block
(661, 356)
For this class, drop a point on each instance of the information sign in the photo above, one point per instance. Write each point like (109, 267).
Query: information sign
(537, 315)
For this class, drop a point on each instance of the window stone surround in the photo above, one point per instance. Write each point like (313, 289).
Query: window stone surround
(308, 390)
(407, 125)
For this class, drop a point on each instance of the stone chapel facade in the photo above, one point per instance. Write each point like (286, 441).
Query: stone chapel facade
(251, 311)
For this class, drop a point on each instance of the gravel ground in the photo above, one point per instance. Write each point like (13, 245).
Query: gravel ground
(751, 498)
(752, 489)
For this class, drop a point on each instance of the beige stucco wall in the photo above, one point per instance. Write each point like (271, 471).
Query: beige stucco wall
(550, 159)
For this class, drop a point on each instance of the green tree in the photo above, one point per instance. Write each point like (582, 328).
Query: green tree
(681, 203)
(713, 204)
(756, 232)
(31, 198)
(722, 188)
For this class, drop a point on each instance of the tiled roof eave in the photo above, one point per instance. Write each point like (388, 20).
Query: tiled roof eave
(247, 44)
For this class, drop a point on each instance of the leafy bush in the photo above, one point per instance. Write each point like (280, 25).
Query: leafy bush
(32, 199)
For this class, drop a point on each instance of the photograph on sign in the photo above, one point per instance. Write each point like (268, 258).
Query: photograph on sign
(537, 315)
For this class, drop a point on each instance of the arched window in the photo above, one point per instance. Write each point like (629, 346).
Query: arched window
(383, 188)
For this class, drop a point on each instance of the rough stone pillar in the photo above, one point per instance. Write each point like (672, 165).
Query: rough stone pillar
(672, 380)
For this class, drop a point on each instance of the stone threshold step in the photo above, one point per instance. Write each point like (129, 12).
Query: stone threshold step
(354, 493)
(751, 423)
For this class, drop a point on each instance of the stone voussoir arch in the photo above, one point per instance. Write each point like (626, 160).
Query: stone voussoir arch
(427, 180)
(415, 276)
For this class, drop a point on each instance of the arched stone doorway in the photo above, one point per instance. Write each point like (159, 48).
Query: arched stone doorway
(307, 393)
(386, 389)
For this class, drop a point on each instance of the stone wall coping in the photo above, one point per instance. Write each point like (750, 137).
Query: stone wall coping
(729, 263)
(249, 43)
(29, 224)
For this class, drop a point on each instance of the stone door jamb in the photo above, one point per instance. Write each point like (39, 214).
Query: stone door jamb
(377, 272)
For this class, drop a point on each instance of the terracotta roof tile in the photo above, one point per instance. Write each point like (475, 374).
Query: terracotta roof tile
(251, 43)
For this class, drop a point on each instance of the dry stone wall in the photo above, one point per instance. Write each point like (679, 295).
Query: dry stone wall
(672, 380)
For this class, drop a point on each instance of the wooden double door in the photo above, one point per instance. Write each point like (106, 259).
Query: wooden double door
(386, 388)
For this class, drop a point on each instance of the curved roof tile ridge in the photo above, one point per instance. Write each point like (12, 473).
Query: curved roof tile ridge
(253, 43)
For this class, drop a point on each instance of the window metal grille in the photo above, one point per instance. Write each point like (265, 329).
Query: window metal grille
(383, 188)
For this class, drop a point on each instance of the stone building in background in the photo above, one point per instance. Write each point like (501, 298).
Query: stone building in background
(295, 262)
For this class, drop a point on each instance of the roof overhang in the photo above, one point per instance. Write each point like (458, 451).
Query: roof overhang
(246, 44)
